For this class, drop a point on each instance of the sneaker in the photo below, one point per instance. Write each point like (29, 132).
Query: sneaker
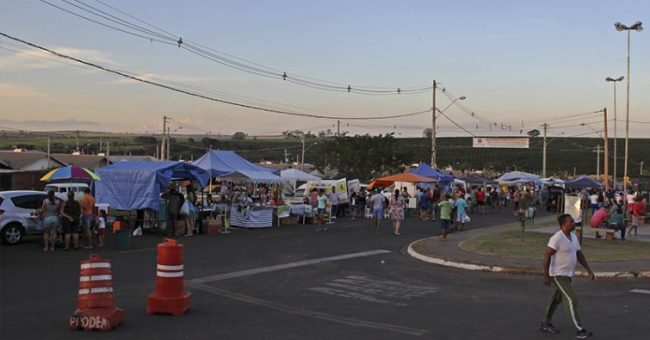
(583, 334)
(548, 327)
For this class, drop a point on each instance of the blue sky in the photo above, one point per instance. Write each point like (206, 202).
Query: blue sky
(519, 63)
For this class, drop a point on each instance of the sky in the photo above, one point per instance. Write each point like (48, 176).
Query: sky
(519, 64)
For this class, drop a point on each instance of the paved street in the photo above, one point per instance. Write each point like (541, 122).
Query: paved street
(295, 283)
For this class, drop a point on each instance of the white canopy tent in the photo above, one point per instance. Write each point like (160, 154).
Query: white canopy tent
(293, 176)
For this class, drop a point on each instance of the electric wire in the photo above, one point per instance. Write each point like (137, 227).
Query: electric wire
(228, 102)
(246, 66)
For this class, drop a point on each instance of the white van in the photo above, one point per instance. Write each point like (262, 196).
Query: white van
(61, 190)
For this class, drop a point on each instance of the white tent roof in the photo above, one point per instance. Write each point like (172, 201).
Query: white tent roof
(253, 176)
(297, 175)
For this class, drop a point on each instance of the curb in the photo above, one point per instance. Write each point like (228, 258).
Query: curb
(511, 270)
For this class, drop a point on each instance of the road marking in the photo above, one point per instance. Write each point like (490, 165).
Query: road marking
(306, 313)
(226, 276)
(640, 291)
(375, 290)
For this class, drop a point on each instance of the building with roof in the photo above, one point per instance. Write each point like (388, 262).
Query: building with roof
(22, 170)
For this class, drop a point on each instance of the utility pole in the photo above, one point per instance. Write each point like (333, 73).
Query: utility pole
(545, 125)
(77, 139)
(108, 149)
(168, 154)
(606, 149)
(433, 127)
(286, 156)
(598, 151)
(338, 128)
(162, 142)
(641, 169)
(302, 139)
(49, 159)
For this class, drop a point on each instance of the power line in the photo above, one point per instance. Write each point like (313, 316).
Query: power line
(129, 76)
(219, 57)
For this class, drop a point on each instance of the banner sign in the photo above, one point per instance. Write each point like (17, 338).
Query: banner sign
(501, 142)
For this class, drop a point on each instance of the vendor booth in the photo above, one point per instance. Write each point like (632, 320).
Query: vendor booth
(138, 185)
(132, 185)
(427, 171)
(584, 182)
(244, 211)
(218, 163)
(293, 177)
(407, 177)
(517, 177)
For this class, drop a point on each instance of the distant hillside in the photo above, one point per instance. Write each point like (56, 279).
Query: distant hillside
(564, 154)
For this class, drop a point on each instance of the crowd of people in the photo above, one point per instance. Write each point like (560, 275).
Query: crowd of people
(72, 218)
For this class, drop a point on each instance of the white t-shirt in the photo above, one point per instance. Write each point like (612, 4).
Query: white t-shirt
(594, 199)
(564, 261)
(101, 223)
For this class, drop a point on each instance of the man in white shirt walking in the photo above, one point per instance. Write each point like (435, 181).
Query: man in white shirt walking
(560, 259)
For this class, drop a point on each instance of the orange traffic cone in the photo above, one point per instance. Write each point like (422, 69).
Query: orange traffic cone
(95, 305)
(169, 296)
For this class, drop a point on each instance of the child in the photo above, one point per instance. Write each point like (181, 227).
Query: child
(101, 227)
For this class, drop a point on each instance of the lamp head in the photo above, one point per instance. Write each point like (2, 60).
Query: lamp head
(637, 26)
(462, 98)
(620, 27)
(614, 79)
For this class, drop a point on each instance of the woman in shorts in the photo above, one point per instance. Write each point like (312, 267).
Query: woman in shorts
(50, 215)
(71, 221)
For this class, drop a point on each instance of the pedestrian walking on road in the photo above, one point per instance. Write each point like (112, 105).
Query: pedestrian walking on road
(560, 259)
(445, 216)
(378, 200)
(397, 211)
(322, 205)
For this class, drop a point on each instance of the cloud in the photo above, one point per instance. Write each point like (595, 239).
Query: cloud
(30, 59)
(19, 91)
(160, 77)
(58, 124)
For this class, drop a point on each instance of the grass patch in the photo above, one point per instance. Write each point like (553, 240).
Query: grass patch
(509, 244)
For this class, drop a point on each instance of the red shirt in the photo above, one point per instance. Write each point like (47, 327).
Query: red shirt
(480, 196)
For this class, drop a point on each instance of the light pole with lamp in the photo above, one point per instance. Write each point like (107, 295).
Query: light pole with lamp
(615, 80)
(433, 126)
(637, 26)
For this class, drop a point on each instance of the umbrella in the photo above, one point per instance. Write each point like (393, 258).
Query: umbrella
(70, 173)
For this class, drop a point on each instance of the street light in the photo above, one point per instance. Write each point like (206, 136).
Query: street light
(615, 80)
(452, 103)
(433, 125)
(637, 26)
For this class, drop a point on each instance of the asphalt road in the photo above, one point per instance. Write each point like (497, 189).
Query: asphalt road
(295, 283)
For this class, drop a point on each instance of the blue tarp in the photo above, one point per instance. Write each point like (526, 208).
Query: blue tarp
(218, 163)
(137, 185)
(427, 171)
(583, 182)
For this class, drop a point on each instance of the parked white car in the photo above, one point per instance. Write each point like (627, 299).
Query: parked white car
(18, 214)
(61, 190)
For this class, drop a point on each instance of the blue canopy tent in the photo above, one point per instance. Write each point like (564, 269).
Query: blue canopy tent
(426, 171)
(517, 177)
(217, 163)
(583, 182)
(131, 185)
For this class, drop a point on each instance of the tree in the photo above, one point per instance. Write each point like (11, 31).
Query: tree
(426, 133)
(533, 133)
(239, 135)
(363, 157)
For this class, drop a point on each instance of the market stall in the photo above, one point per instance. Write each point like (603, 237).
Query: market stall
(138, 185)
(584, 182)
(250, 207)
